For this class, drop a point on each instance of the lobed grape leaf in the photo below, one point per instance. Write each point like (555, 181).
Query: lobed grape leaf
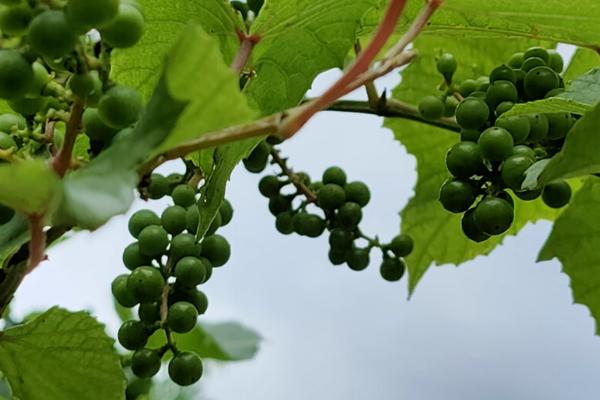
(436, 232)
(29, 186)
(141, 66)
(61, 355)
(574, 240)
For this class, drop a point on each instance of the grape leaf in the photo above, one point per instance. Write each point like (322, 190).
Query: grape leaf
(584, 89)
(550, 105)
(13, 235)
(141, 65)
(436, 232)
(299, 40)
(574, 240)
(578, 156)
(29, 186)
(61, 355)
(582, 61)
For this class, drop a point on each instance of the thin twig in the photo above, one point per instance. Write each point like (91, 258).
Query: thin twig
(294, 178)
(62, 161)
(37, 244)
(247, 43)
(372, 94)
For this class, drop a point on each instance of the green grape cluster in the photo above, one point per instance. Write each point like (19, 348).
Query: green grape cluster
(496, 150)
(167, 263)
(338, 209)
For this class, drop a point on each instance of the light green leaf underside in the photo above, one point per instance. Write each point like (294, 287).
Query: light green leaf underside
(61, 355)
(437, 233)
(585, 88)
(300, 39)
(551, 105)
(141, 65)
(574, 240)
(29, 186)
(583, 61)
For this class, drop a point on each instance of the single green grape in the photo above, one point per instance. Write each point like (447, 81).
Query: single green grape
(501, 91)
(539, 81)
(145, 363)
(190, 272)
(494, 215)
(431, 108)
(559, 124)
(149, 313)
(392, 269)
(457, 195)
(518, 126)
(555, 61)
(153, 241)
(513, 171)
(556, 194)
(279, 204)
(471, 229)
(192, 218)
(257, 161)
(446, 65)
(120, 106)
(125, 29)
(537, 51)
(182, 317)
(158, 187)
(464, 160)
(357, 192)
(86, 14)
(15, 74)
(95, 127)
(184, 195)
(401, 245)
(50, 34)
(132, 335)
(496, 143)
(269, 186)
(358, 259)
(532, 63)
(185, 368)
(284, 223)
(121, 292)
(184, 245)
(523, 150)
(216, 249)
(15, 19)
(341, 239)
(467, 87)
(503, 73)
(133, 258)
(349, 215)
(472, 113)
(331, 196)
(146, 284)
(140, 220)
(226, 212)
(540, 127)
(174, 220)
(516, 60)
(334, 175)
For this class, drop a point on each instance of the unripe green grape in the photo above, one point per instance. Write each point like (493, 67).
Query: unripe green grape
(431, 108)
(469, 135)
(494, 216)
(133, 258)
(504, 107)
(269, 186)
(226, 212)
(216, 249)
(341, 239)
(358, 259)
(185, 369)
(555, 61)
(500, 91)
(337, 257)
(149, 313)
(190, 272)
(520, 83)
(6, 141)
(518, 126)
(279, 204)
(182, 317)
(85, 84)
(313, 226)
(471, 229)
(484, 83)
(15, 74)
(184, 245)
(464, 159)
(173, 219)
(478, 94)
(95, 127)
(401, 245)
(126, 29)
(41, 77)
(86, 14)
(184, 195)
(513, 171)
(532, 63)
(358, 192)
(146, 284)
(316, 186)
(153, 241)
(349, 215)
(559, 125)
(140, 220)
(121, 293)
(11, 122)
(556, 194)
(133, 335)
(28, 106)
(215, 224)
(303, 177)
(522, 150)
(446, 65)
(503, 73)
(450, 105)
(257, 161)
(158, 187)
(456, 195)
(174, 180)
(145, 363)
(331, 196)
(467, 87)
(284, 223)
(539, 81)
(529, 195)
(537, 51)
(392, 269)
(539, 127)
(6, 214)
(50, 34)
(136, 388)
(299, 222)
(120, 106)
(516, 60)
(504, 195)
(192, 219)
(334, 175)
(472, 113)
(14, 20)
(496, 143)
(197, 297)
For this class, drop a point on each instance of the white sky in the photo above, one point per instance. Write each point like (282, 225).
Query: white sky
(500, 327)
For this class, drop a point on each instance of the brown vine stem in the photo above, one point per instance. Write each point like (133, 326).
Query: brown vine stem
(62, 161)
(247, 44)
(37, 244)
(300, 186)
(370, 88)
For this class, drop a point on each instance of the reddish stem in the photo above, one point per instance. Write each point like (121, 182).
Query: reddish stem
(247, 44)
(37, 244)
(62, 161)
(360, 65)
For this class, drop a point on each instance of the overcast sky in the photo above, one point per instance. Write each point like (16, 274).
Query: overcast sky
(500, 327)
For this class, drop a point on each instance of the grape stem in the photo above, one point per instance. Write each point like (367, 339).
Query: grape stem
(62, 161)
(294, 179)
(247, 44)
(37, 244)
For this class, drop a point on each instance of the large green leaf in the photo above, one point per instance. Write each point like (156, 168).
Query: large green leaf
(550, 105)
(29, 186)
(299, 40)
(141, 65)
(61, 355)
(437, 233)
(575, 240)
(582, 61)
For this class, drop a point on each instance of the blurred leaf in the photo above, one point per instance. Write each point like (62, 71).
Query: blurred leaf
(61, 355)
(13, 235)
(125, 314)
(574, 240)
(167, 390)
(583, 61)
(141, 65)
(437, 233)
(550, 105)
(584, 89)
(29, 186)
